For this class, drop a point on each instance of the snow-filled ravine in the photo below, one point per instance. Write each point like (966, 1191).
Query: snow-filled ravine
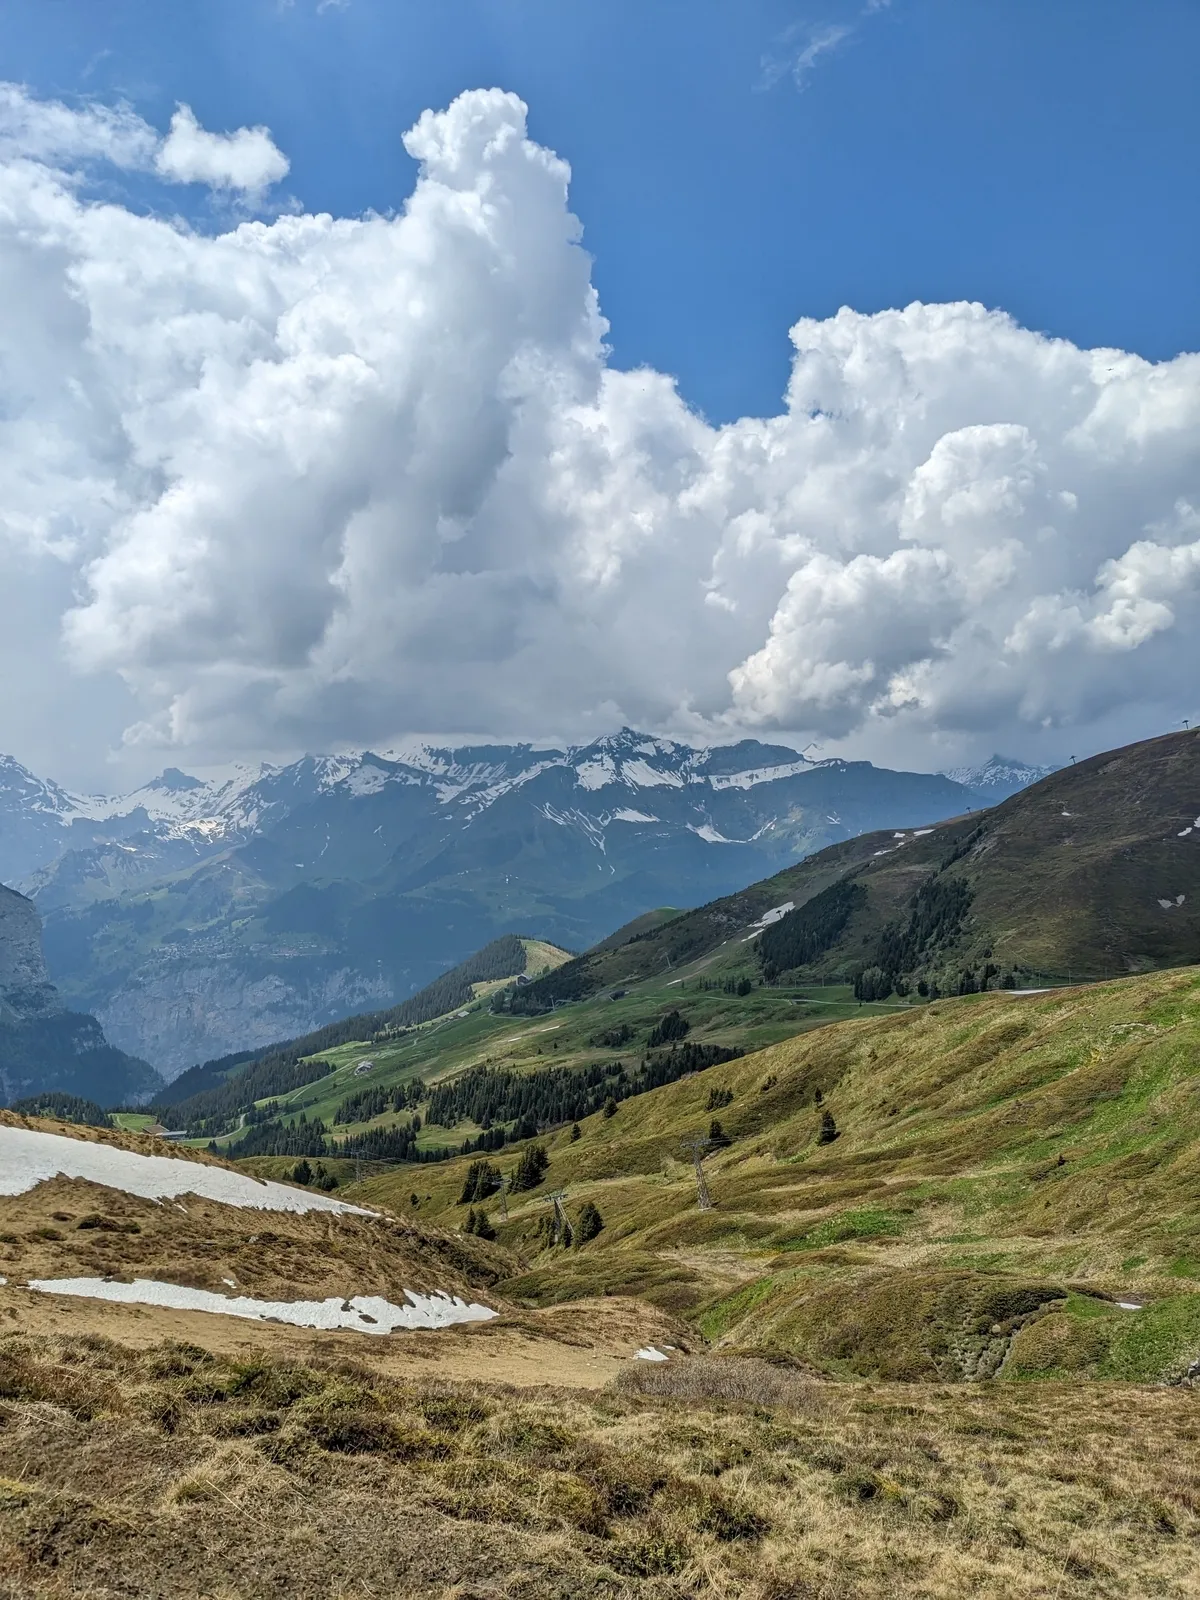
(364, 1313)
(28, 1157)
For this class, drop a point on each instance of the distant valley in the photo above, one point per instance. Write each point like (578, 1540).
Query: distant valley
(199, 917)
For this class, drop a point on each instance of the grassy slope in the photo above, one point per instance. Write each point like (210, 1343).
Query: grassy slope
(993, 1144)
(449, 1045)
(173, 1471)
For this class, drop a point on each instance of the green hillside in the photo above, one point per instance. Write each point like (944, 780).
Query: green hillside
(1006, 1170)
(1090, 873)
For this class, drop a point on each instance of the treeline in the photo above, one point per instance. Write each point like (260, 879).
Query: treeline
(301, 1138)
(305, 1138)
(805, 934)
(65, 1107)
(274, 1076)
(493, 1097)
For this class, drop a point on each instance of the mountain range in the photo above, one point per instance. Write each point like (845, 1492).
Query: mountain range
(195, 917)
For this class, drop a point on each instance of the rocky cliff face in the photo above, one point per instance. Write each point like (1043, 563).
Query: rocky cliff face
(42, 1045)
(25, 987)
(171, 1005)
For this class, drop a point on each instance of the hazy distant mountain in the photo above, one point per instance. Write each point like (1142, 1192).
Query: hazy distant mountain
(199, 917)
(998, 777)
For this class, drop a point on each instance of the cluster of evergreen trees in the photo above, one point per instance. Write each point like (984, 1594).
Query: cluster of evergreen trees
(673, 1026)
(302, 1138)
(364, 1104)
(482, 1180)
(935, 918)
(496, 1097)
(806, 933)
(305, 1138)
(66, 1107)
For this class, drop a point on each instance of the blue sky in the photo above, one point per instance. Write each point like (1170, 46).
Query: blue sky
(321, 455)
(1039, 158)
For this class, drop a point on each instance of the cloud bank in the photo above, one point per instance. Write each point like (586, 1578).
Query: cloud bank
(321, 480)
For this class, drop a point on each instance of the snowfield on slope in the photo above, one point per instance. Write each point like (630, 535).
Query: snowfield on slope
(29, 1157)
(368, 1313)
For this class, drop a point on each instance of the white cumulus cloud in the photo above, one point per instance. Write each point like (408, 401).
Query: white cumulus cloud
(248, 160)
(330, 479)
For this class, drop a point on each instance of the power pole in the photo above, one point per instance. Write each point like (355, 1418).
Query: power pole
(561, 1226)
(698, 1147)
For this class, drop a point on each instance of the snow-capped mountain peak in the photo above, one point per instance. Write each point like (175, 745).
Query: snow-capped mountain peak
(999, 776)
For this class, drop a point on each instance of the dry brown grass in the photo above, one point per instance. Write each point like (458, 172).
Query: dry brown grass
(169, 1472)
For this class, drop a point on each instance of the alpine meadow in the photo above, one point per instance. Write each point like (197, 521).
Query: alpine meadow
(599, 908)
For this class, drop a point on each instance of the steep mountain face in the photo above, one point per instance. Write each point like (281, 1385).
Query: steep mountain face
(42, 1045)
(230, 914)
(1091, 873)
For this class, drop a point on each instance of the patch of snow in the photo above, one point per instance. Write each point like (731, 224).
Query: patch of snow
(919, 833)
(709, 834)
(363, 1313)
(595, 774)
(365, 780)
(673, 982)
(751, 779)
(1169, 905)
(626, 815)
(1130, 1305)
(649, 1353)
(899, 836)
(641, 775)
(1183, 832)
(775, 914)
(28, 1158)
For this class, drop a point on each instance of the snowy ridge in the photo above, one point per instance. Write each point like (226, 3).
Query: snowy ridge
(29, 1157)
(363, 1313)
(236, 802)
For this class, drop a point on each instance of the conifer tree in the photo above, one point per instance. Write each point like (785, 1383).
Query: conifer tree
(590, 1223)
